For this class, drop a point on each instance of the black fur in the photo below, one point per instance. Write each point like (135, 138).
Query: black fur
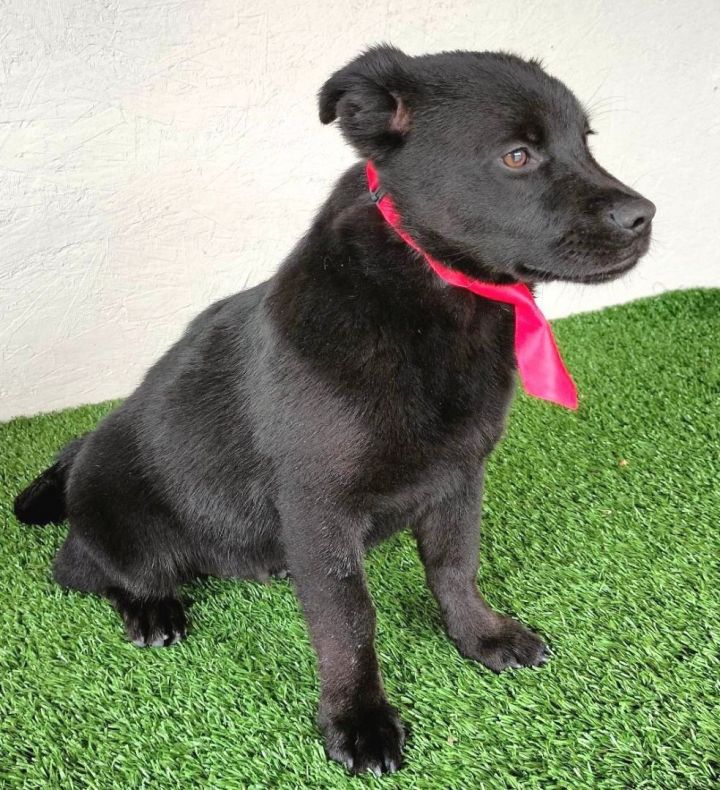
(43, 501)
(300, 422)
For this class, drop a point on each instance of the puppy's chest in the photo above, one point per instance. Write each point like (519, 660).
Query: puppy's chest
(444, 391)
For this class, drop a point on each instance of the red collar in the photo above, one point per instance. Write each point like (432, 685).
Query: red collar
(541, 368)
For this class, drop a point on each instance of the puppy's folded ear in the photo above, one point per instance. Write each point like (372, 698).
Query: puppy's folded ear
(371, 97)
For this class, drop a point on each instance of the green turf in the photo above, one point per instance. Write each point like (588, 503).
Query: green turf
(601, 530)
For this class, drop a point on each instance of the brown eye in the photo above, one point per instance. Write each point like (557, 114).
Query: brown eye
(517, 158)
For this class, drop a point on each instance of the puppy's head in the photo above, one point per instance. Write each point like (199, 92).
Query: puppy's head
(486, 157)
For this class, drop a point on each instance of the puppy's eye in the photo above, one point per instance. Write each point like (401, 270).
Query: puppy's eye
(517, 158)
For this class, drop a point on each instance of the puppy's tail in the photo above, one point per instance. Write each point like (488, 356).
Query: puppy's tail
(43, 501)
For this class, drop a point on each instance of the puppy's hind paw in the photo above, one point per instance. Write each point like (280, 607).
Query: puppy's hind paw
(153, 623)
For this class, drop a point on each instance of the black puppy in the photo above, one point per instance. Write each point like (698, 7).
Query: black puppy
(354, 393)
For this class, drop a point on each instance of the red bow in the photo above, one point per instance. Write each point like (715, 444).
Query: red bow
(541, 368)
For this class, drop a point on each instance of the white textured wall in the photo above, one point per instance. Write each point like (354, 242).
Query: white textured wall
(156, 155)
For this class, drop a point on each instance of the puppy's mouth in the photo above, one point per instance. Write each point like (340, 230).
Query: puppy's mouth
(611, 273)
(588, 266)
(587, 277)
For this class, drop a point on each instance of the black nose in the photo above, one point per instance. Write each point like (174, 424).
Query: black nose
(631, 214)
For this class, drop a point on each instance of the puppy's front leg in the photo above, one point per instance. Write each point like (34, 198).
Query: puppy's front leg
(448, 538)
(325, 557)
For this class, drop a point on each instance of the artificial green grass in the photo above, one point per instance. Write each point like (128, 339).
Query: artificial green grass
(602, 530)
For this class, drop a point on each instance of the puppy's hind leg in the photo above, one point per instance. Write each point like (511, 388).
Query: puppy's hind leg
(150, 620)
(77, 569)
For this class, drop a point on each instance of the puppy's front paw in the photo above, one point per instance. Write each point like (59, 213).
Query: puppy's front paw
(507, 645)
(366, 739)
